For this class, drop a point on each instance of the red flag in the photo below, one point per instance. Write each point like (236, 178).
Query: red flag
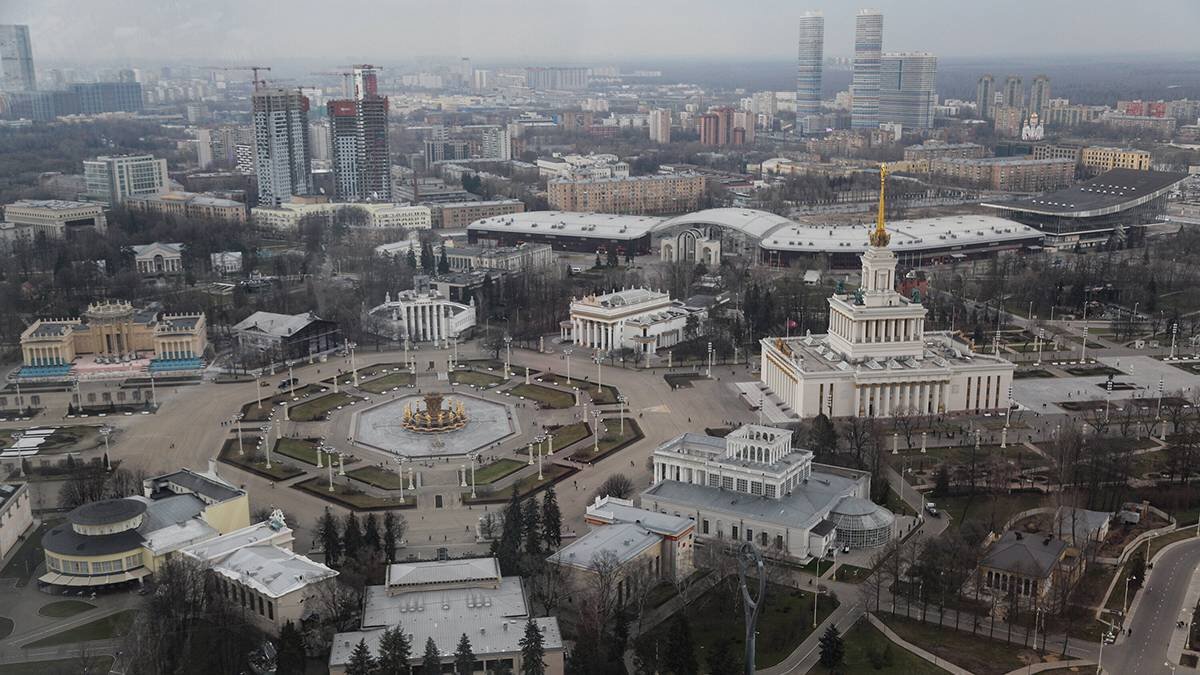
(791, 323)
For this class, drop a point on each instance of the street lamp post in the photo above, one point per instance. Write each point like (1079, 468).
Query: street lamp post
(1108, 386)
(1174, 334)
(291, 383)
(474, 458)
(539, 440)
(530, 462)
(267, 443)
(596, 431)
(568, 351)
(708, 373)
(329, 462)
(237, 419)
(507, 354)
(622, 400)
(258, 389)
(599, 374)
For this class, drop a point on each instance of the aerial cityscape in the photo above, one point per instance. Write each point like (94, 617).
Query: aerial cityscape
(557, 339)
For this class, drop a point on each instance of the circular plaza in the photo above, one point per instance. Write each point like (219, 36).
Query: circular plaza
(406, 426)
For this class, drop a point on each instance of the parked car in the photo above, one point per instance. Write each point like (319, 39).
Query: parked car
(931, 509)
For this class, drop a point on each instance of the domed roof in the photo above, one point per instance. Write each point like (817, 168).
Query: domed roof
(106, 512)
(860, 514)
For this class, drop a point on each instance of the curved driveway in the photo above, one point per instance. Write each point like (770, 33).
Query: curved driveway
(1159, 605)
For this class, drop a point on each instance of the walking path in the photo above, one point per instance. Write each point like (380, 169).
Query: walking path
(932, 658)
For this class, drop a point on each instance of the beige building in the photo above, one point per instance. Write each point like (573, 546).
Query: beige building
(113, 332)
(16, 516)
(1057, 151)
(55, 218)
(457, 215)
(116, 541)
(257, 570)
(288, 215)
(1014, 174)
(159, 258)
(930, 150)
(638, 195)
(646, 547)
(1102, 158)
(639, 319)
(189, 205)
(443, 599)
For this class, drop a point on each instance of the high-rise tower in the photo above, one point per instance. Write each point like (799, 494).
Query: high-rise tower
(1039, 95)
(358, 138)
(908, 89)
(16, 59)
(985, 96)
(1014, 92)
(864, 86)
(281, 145)
(808, 67)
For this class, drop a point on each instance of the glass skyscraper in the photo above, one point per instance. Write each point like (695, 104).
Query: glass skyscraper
(808, 68)
(864, 85)
(908, 89)
(16, 59)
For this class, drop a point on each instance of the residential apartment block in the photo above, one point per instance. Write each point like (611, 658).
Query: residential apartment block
(641, 195)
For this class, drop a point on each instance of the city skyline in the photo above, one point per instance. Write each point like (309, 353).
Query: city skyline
(230, 31)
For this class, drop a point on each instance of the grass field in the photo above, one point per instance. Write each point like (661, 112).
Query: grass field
(785, 620)
(351, 497)
(525, 486)
(65, 608)
(490, 473)
(387, 382)
(988, 508)
(253, 462)
(567, 434)
(302, 449)
(862, 641)
(99, 664)
(975, 653)
(318, 408)
(380, 478)
(611, 440)
(602, 395)
(111, 626)
(252, 413)
(475, 378)
(550, 398)
(851, 573)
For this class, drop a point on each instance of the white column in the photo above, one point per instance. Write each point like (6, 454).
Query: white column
(937, 395)
(857, 401)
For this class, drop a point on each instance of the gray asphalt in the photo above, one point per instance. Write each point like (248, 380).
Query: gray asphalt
(1159, 606)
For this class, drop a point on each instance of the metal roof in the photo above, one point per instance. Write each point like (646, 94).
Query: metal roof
(960, 231)
(442, 572)
(625, 541)
(1110, 192)
(751, 222)
(569, 224)
(106, 512)
(272, 571)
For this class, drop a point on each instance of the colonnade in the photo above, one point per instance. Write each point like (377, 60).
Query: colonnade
(876, 331)
(425, 322)
(887, 399)
(593, 334)
(51, 355)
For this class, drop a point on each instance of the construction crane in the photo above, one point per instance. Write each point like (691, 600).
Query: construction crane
(258, 84)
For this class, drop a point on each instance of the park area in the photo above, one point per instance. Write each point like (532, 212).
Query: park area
(545, 396)
(250, 459)
(869, 651)
(784, 622)
(253, 412)
(388, 382)
(351, 497)
(475, 378)
(320, 407)
(612, 439)
(974, 652)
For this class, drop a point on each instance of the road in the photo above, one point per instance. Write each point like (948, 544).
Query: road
(1155, 612)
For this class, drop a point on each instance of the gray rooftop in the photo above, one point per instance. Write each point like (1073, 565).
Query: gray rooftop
(443, 572)
(271, 570)
(1024, 554)
(804, 507)
(279, 325)
(625, 541)
(208, 488)
(1110, 192)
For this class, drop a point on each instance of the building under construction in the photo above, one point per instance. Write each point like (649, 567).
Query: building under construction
(359, 139)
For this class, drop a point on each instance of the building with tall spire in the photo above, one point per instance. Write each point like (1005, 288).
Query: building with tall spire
(877, 360)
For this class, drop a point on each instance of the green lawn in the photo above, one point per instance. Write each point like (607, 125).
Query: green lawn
(113, 625)
(350, 497)
(253, 413)
(318, 408)
(100, 664)
(602, 396)
(303, 449)
(864, 640)
(785, 620)
(472, 377)
(975, 653)
(65, 608)
(989, 509)
(567, 434)
(6, 627)
(550, 398)
(390, 381)
(490, 473)
(611, 440)
(380, 478)
(524, 487)
(27, 558)
(254, 462)
(851, 573)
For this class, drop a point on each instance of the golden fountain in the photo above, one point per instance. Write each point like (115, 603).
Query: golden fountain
(434, 418)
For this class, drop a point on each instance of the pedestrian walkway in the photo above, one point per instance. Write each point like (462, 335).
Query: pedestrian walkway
(932, 658)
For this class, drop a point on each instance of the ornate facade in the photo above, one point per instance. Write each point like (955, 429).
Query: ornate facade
(113, 332)
(877, 360)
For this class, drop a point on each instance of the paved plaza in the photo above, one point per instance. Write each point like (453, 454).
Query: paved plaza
(488, 423)
(1042, 394)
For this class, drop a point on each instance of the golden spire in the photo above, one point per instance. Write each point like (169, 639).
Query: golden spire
(880, 237)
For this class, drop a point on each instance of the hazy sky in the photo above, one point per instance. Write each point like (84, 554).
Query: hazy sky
(530, 31)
